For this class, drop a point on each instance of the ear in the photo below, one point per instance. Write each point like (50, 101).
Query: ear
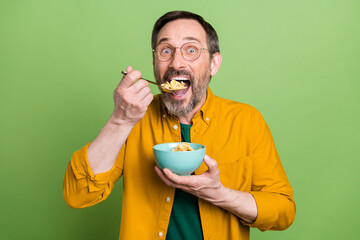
(215, 63)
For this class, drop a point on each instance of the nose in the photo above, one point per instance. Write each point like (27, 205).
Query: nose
(177, 61)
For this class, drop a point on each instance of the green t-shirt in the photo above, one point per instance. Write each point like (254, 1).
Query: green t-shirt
(185, 220)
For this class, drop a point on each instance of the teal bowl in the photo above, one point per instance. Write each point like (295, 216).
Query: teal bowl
(181, 163)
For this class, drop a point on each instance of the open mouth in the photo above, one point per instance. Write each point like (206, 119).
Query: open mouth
(183, 79)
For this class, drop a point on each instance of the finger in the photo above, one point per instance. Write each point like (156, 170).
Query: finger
(148, 99)
(179, 180)
(139, 85)
(162, 176)
(143, 93)
(130, 78)
(211, 164)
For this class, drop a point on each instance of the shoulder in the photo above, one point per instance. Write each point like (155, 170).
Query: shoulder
(234, 107)
(239, 115)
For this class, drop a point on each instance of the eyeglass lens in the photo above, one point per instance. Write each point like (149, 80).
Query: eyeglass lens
(190, 51)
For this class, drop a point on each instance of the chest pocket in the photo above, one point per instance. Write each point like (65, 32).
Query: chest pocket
(236, 174)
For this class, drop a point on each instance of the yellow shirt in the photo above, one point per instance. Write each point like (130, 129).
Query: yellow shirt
(235, 135)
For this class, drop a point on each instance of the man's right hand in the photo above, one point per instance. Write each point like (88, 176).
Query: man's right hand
(131, 98)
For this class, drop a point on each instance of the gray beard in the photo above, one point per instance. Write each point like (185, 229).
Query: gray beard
(198, 89)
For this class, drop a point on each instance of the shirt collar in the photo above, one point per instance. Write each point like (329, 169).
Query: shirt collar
(207, 109)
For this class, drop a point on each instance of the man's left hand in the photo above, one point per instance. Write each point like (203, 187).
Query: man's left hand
(206, 186)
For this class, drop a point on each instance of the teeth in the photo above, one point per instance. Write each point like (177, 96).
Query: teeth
(179, 78)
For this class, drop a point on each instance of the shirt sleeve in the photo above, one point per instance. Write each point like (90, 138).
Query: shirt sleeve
(81, 187)
(270, 187)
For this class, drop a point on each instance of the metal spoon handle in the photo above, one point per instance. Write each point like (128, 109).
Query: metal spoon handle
(125, 73)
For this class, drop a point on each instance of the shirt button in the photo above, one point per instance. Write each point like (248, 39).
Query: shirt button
(207, 119)
(160, 234)
(164, 115)
(168, 199)
(175, 127)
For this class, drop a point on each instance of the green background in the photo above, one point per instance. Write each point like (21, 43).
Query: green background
(296, 61)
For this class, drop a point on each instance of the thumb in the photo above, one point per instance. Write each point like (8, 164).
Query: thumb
(129, 69)
(129, 78)
(210, 163)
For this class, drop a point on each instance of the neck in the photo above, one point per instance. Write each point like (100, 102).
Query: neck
(187, 119)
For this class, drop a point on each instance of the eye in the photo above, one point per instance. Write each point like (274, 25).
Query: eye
(166, 51)
(192, 50)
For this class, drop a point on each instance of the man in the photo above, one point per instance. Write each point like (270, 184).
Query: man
(241, 182)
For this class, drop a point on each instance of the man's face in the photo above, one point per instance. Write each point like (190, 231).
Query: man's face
(196, 74)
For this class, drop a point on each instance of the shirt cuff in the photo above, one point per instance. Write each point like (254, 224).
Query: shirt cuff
(82, 171)
(267, 211)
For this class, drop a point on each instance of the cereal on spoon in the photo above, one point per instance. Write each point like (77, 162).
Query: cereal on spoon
(173, 85)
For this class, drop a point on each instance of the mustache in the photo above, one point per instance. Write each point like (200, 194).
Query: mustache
(172, 72)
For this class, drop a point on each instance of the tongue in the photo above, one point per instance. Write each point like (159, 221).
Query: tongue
(180, 92)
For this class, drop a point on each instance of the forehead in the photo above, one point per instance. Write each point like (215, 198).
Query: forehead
(181, 31)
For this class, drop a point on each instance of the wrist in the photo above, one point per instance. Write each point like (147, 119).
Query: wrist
(120, 122)
(220, 195)
(227, 197)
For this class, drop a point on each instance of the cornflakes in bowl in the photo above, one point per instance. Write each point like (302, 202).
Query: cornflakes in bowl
(180, 158)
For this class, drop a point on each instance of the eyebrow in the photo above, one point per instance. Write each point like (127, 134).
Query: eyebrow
(186, 38)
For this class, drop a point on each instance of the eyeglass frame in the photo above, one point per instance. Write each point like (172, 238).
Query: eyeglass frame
(172, 55)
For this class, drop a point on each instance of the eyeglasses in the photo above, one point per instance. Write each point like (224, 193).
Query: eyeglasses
(189, 51)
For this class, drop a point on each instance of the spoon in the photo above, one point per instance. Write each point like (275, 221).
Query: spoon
(163, 88)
